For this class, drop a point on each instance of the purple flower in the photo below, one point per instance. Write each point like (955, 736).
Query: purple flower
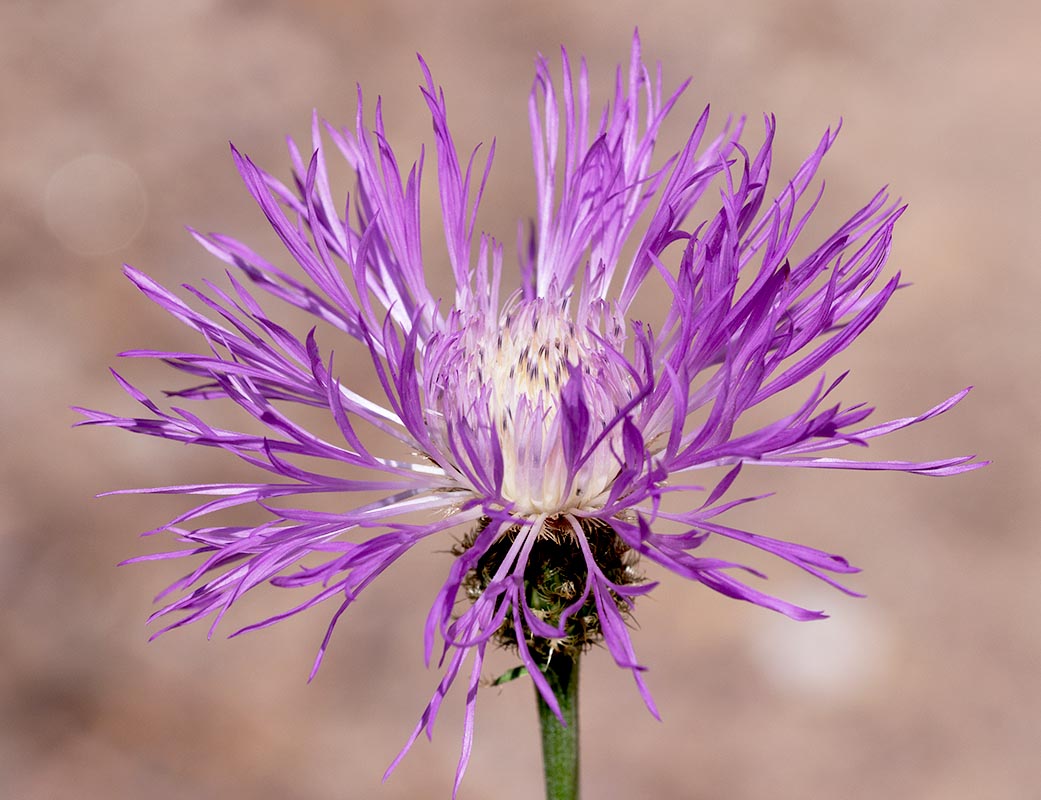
(547, 428)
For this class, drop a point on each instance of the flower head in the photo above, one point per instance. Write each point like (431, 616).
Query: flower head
(547, 428)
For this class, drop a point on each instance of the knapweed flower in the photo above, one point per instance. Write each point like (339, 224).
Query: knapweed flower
(545, 430)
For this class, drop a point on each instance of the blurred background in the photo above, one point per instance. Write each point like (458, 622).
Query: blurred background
(114, 122)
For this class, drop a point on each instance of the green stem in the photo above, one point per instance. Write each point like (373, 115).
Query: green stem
(559, 742)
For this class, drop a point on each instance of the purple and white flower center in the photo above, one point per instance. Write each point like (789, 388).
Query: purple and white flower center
(500, 386)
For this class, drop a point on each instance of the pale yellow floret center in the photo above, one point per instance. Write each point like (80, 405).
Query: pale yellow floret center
(518, 371)
(531, 362)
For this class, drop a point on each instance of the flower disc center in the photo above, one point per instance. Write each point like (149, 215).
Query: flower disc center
(501, 385)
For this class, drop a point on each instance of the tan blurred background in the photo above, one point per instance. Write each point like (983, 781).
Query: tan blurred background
(114, 121)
